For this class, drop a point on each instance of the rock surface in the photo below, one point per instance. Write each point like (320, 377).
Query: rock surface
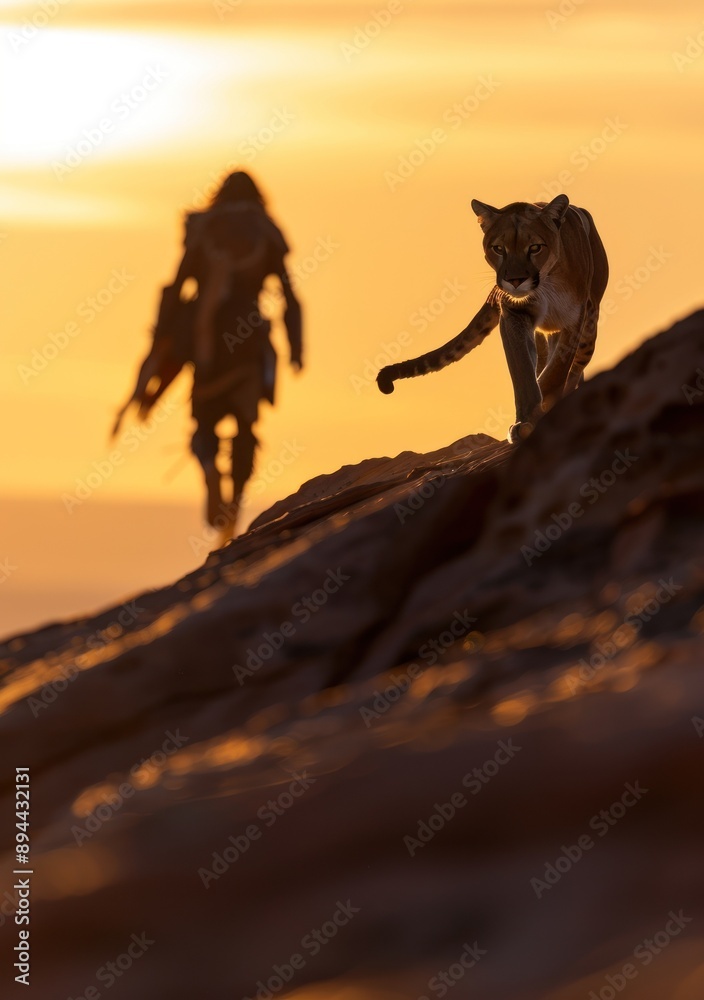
(428, 707)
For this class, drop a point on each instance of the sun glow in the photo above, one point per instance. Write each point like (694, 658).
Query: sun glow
(370, 142)
(116, 93)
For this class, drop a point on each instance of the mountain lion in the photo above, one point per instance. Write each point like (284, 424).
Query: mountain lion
(551, 273)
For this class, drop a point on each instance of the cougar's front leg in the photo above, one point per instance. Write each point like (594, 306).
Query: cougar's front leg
(518, 337)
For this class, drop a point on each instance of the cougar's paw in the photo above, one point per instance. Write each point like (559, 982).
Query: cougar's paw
(520, 431)
(385, 380)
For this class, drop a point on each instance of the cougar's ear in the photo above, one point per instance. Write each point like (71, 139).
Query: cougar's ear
(555, 210)
(485, 213)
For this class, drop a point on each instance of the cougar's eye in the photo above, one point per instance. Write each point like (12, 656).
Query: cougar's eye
(498, 250)
(535, 248)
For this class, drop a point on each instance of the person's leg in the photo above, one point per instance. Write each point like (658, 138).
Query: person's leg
(204, 445)
(244, 446)
(245, 406)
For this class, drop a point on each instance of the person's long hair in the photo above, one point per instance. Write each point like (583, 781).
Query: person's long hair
(238, 186)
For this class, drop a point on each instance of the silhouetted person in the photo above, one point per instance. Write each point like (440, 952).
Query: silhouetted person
(229, 250)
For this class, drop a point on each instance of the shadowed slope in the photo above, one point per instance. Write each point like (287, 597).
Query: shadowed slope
(375, 638)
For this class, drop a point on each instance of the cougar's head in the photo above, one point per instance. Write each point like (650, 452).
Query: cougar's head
(522, 242)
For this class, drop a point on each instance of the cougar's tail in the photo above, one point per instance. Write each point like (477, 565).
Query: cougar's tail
(480, 327)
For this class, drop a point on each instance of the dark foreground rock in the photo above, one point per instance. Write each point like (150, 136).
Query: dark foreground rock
(434, 725)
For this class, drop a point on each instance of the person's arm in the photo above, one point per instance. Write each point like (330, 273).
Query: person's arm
(293, 317)
(150, 368)
(172, 292)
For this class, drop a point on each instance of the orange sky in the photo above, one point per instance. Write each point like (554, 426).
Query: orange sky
(499, 101)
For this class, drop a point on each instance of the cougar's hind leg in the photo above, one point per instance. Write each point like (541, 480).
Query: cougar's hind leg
(553, 380)
(542, 352)
(545, 345)
(584, 352)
